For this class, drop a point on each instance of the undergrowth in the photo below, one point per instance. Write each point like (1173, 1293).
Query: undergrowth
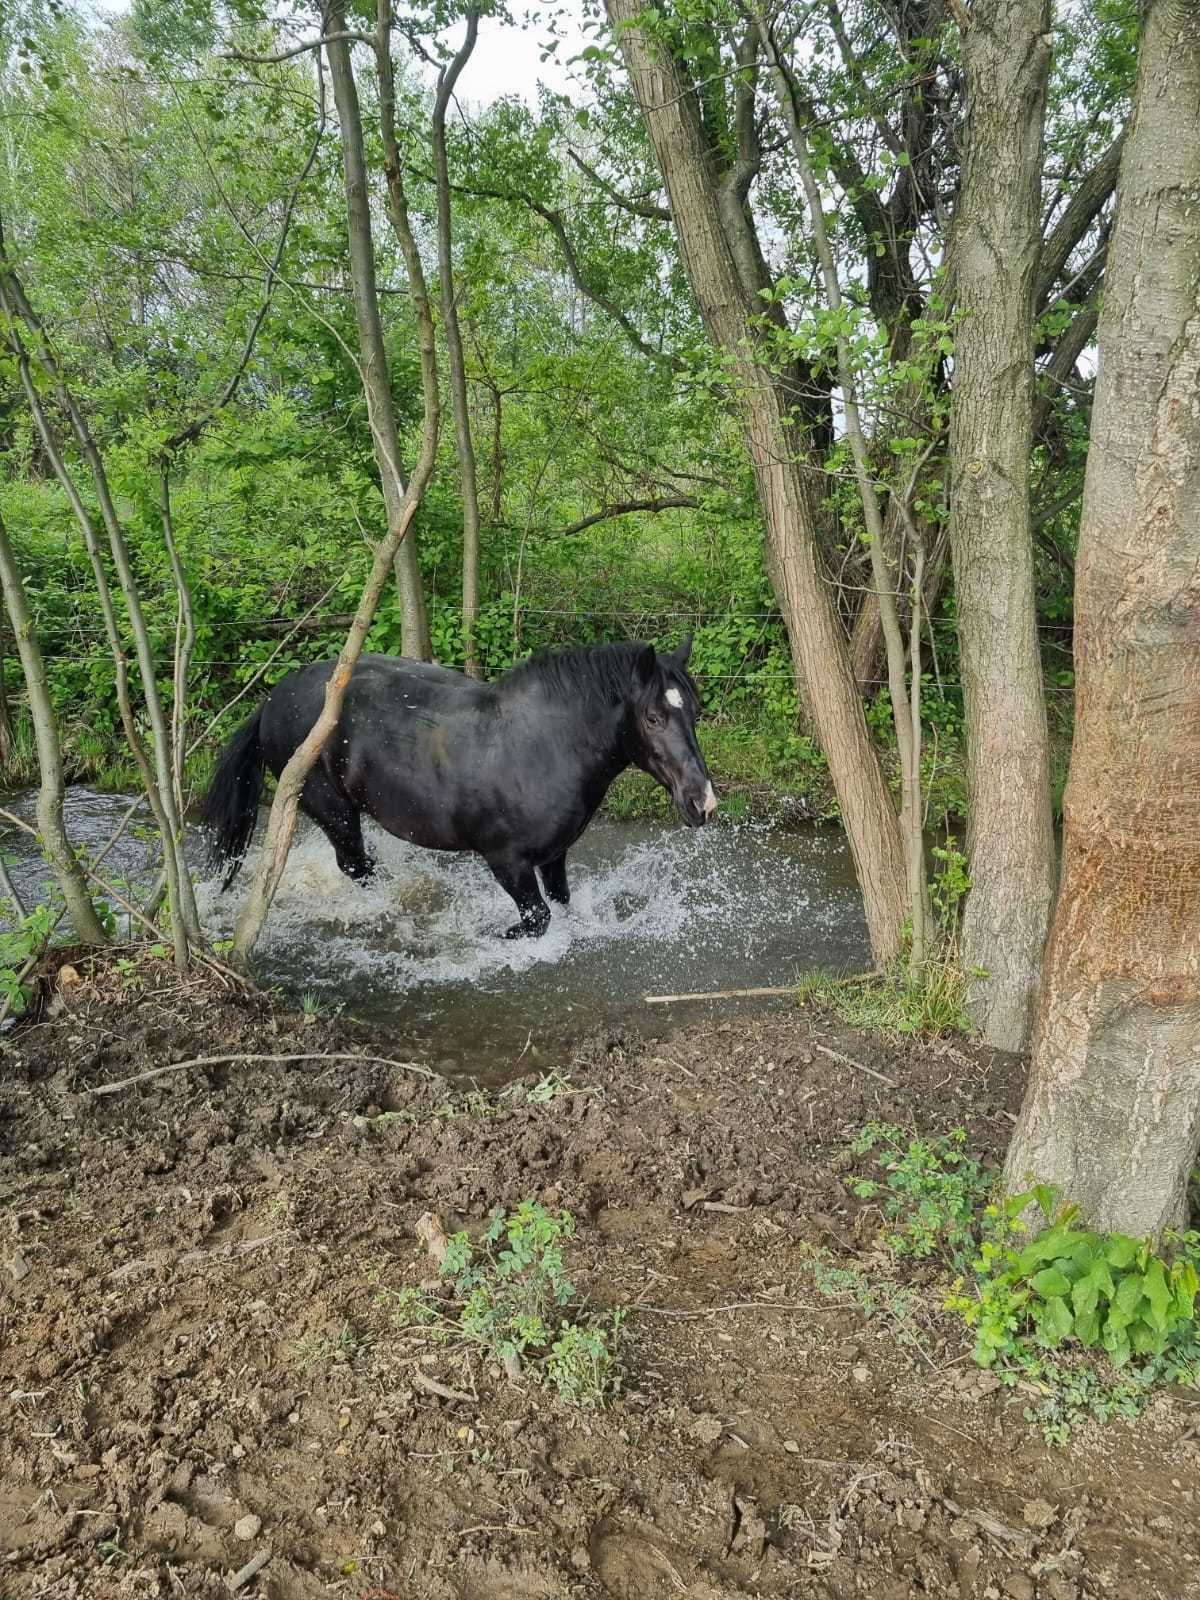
(928, 1001)
(510, 1295)
(1090, 1324)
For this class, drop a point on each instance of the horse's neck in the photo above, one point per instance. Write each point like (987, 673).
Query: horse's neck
(595, 728)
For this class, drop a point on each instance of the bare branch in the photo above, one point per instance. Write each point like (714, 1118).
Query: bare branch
(630, 203)
(345, 35)
(624, 508)
(1090, 197)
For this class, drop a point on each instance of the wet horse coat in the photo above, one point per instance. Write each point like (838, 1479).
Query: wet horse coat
(514, 770)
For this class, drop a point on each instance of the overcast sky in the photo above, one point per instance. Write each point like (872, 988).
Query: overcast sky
(507, 59)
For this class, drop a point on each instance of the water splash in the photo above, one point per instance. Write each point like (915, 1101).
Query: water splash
(654, 909)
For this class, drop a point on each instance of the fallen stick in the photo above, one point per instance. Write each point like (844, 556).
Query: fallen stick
(217, 1061)
(719, 994)
(251, 1570)
(755, 994)
(716, 1311)
(849, 1061)
(432, 1386)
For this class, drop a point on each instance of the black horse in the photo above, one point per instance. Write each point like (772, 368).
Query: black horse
(514, 769)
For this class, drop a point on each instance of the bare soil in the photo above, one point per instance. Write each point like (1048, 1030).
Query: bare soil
(197, 1365)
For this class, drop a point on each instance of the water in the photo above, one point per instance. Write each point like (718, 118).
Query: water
(655, 909)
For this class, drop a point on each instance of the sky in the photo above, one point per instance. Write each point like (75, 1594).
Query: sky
(507, 58)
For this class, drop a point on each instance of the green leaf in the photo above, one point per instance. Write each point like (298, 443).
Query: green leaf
(1054, 1320)
(1121, 1251)
(1129, 1294)
(1158, 1292)
(1050, 1283)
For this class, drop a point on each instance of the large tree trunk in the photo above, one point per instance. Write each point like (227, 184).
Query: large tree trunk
(1112, 1113)
(788, 486)
(994, 254)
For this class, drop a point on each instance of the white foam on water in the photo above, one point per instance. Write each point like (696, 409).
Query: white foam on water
(428, 919)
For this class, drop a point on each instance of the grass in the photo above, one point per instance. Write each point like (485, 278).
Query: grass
(929, 1002)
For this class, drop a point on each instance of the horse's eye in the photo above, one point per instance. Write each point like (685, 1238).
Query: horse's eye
(653, 720)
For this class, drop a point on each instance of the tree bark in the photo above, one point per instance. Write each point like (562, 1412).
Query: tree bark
(51, 828)
(182, 934)
(373, 362)
(995, 248)
(281, 825)
(1112, 1111)
(454, 351)
(789, 486)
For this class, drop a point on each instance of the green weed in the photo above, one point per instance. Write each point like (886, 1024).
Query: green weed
(347, 1348)
(515, 1301)
(1068, 1284)
(930, 1191)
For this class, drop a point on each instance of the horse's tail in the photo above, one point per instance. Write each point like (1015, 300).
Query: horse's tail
(231, 804)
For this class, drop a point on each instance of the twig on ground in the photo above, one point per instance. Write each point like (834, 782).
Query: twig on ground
(217, 1061)
(432, 1386)
(720, 994)
(716, 1311)
(251, 1570)
(849, 1061)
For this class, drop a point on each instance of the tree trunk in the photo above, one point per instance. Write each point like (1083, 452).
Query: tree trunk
(454, 351)
(995, 248)
(788, 486)
(51, 827)
(373, 362)
(1112, 1112)
(281, 825)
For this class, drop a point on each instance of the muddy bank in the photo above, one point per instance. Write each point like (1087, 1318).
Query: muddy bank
(197, 1363)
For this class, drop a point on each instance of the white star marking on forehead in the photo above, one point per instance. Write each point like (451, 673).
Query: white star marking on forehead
(674, 698)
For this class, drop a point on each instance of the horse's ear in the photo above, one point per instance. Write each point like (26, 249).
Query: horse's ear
(682, 654)
(645, 666)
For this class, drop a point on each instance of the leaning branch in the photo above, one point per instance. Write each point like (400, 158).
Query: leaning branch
(625, 508)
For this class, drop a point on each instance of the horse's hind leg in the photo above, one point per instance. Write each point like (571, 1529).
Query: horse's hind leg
(340, 822)
(518, 878)
(554, 880)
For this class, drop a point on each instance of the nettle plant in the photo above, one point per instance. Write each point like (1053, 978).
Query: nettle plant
(1102, 1290)
(517, 1303)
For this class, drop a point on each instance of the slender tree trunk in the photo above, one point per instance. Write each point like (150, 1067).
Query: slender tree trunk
(788, 486)
(882, 570)
(373, 362)
(6, 726)
(281, 825)
(185, 640)
(1112, 1111)
(180, 932)
(454, 351)
(51, 827)
(995, 247)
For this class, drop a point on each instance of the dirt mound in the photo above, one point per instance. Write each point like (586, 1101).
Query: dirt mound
(199, 1367)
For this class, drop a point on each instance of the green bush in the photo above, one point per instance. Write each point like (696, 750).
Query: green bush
(1069, 1284)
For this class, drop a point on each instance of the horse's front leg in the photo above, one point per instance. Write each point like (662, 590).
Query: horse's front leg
(554, 880)
(519, 879)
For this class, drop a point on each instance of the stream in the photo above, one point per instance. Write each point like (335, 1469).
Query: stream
(656, 909)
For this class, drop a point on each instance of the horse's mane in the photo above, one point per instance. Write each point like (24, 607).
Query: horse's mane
(602, 670)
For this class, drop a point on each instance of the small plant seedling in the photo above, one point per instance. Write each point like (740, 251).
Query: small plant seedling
(347, 1348)
(516, 1302)
(930, 1191)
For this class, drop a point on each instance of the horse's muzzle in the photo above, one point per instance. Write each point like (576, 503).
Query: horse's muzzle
(696, 809)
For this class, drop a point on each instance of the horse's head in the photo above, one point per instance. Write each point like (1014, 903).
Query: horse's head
(664, 706)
